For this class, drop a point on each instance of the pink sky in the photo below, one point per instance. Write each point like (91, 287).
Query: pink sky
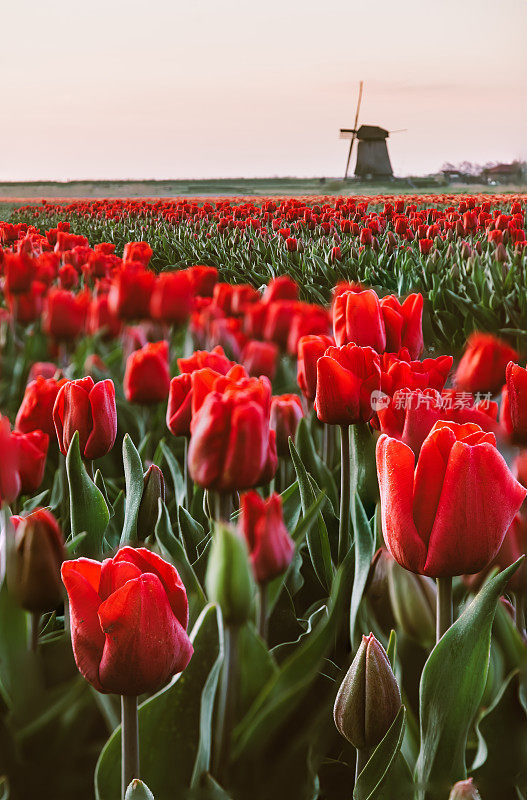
(214, 88)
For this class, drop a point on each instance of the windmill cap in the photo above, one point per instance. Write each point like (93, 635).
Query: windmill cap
(372, 132)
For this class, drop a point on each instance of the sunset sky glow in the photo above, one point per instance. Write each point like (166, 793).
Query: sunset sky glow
(167, 89)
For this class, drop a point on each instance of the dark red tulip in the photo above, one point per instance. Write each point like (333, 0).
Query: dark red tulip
(88, 408)
(482, 367)
(32, 454)
(517, 401)
(147, 376)
(34, 568)
(286, 413)
(36, 409)
(129, 617)
(346, 378)
(358, 319)
(271, 548)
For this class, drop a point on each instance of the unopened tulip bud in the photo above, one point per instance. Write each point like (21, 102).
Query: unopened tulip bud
(368, 699)
(35, 561)
(153, 491)
(413, 599)
(138, 790)
(229, 580)
(464, 790)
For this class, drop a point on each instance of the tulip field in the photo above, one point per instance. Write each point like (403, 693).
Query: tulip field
(263, 470)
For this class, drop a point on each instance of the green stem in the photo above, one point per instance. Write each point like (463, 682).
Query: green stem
(345, 493)
(328, 442)
(226, 703)
(361, 761)
(129, 742)
(222, 507)
(262, 611)
(444, 614)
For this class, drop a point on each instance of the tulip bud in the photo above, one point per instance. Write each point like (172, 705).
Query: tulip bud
(35, 561)
(413, 599)
(229, 581)
(153, 491)
(368, 699)
(138, 790)
(464, 790)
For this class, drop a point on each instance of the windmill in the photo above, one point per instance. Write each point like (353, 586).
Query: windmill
(373, 160)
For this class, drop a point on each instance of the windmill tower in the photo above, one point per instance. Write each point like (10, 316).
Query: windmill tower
(373, 160)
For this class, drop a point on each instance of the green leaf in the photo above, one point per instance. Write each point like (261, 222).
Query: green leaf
(257, 667)
(379, 764)
(133, 476)
(281, 695)
(317, 540)
(391, 650)
(301, 530)
(364, 550)
(452, 684)
(175, 472)
(192, 533)
(172, 550)
(88, 509)
(501, 760)
(169, 724)
(313, 463)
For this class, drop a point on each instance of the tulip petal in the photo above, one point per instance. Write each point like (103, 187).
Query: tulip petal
(246, 452)
(81, 579)
(429, 477)
(478, 502)
(145, 643)
(394, 458)
(147, 561)
(104, 415)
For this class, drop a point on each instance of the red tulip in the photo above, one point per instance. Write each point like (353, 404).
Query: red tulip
(179, 409)
(308, 320)
(32, 453)
(131, 290)
(9, 463)
(517, 401)
(43, 369)
(129, 617)
(358, 319)
(482, 367)
(281, 288)
(102, 319)
(65, 314)
(230, 438)
(403, 324)
(271, 548)
(88, 408)
(215, 359)
(451, 516)
(411, 415)
(400, 372)
(36, 409)
(171, 300)
(286, 413)
(425, 246)
(203, 279)
(346, 378)
(260, 358)
(310, 349)
(137, 251)
(147, 376)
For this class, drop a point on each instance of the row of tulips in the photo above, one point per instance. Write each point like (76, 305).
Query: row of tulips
(255, 544)
(436, 245)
